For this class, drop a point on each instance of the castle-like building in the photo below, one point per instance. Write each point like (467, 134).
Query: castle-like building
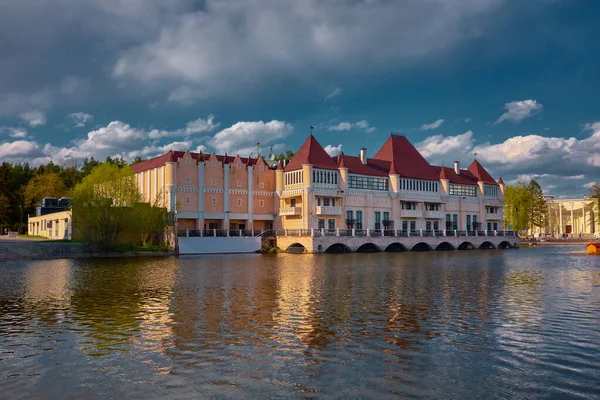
(396, 189)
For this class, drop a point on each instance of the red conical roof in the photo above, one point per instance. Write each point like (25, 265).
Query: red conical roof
(313, 153)
(500, 181)
(393, 170)
(280, 166)
(443, 174)
(477, 169)
(409, 162)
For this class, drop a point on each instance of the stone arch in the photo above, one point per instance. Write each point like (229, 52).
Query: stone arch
(296, 248)
(487, 245)
(368, 248)
(504, 245)
(338, 248)
(466, 246)
(396, 248)
(445, 246)
(421, 246)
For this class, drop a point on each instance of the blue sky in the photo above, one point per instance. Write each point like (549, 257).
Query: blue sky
(516, 82)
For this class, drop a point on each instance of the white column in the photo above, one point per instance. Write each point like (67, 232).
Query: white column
(583, 230)
(226, 195)
(200, 223)
(572, 220)
(250, 202)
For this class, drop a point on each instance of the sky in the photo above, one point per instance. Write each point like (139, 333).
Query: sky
(513, 83)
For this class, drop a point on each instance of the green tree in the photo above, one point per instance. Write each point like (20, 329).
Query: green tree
(48, 184)
(517, 206)
(539, 207)
(4, 209)
(102, 204)
(284, 156)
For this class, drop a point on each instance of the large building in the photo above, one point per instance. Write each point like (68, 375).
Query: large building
(395, 189)
(571, 217)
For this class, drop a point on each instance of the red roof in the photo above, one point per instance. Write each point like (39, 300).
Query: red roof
(465, 177)
(313, 153)
(500, 181)
(173, 156)
(355, 165)
(477, 170)
(408, 161)
(393, 169)
(443, 174)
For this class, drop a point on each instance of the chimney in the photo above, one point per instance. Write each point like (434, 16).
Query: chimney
(363, 156)
(457, 167)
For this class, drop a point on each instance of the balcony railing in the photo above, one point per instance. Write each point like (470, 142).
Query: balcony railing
(433, 214)
(329, 210)
(286, 211)
(492, 216)
(411, 213)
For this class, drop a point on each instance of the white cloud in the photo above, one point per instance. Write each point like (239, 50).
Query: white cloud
(433, 125)
(452, 147)
(346, 126)
(80, 119)
(593, 126)
(467, 120)
(590, 184)
(186, 95)
(17, 133)
(202, 125)
(342, 126)
(34, 118)
(19, 149)
(580, 176)
(335, 92)
(333, 150)
(517, 111)
(241, 138)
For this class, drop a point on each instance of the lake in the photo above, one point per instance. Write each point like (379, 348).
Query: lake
(436, 325)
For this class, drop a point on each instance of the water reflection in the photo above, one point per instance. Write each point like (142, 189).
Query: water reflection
(434, 325)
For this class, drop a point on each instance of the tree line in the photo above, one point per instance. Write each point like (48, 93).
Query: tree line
(22, 186)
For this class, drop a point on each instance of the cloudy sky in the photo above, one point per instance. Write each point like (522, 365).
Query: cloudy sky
(514, 81)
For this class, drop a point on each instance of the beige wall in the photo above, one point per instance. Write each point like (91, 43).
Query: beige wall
(61, 225)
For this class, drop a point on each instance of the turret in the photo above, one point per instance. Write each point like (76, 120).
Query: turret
(444, 181)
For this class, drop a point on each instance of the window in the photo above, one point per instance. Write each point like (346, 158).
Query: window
(213, 201)
(432, 207)
(261, 203)
(490, 190)
(326, 201)
(462, 190)
(261, 185)
(475, 223)
(407, 205)
(413, 225)
(187, 200)
(404, 225)
(377, 220)
(451, 221)
(321, 223)
(428, 225)
(369, 183)
(436, 225)
(292, 202)
(469, 222)
(213, 182)
(239, 202)
(239, 183)
(350, 218)
(359, 219)
(188, 180)
(331, 224)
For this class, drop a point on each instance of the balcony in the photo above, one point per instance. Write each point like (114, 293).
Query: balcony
(287, 211)
(328, 210)
(411, 213)
(493, 216)
(433, 214)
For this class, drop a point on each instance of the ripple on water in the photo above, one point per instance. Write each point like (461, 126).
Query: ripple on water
(516, 324)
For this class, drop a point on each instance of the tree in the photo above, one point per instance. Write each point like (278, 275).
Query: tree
(595, 194)
(539, 207)
(284, 156)
(517, 206)
(48, 184)
(136, 160)
(102, 204)
(4, 209)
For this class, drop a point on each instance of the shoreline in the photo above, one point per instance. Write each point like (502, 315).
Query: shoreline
(557, 243)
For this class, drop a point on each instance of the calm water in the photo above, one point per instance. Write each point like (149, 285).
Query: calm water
(479, 324)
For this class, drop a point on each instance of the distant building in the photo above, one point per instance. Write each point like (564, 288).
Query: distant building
(395, 189)
(52, 220)
(571, 217)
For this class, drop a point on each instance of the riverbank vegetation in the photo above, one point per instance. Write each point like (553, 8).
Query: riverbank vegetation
(525, 206)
